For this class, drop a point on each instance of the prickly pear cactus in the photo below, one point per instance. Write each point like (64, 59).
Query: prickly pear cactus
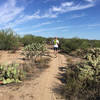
(11, 73)
(34, 50)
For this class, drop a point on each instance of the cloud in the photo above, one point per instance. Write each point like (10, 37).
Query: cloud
(59, 28)
(46, 1)
(64, 4)
(24, 18)
(94, 25)
(70, 6)
(64, 30)
(90, 1)
(15, 15)
(58, 21)
(17, 29)
(77, 16)
(50, 29)
(9, 11)
(42, 24)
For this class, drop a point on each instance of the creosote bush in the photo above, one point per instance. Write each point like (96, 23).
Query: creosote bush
(73, 44)
(8, 40)
(29, 39)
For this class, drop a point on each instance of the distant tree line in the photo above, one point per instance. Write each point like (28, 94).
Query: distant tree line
(69, 45)
(10, 40)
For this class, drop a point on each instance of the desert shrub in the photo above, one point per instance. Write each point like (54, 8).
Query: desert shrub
(34, 50)
(73, 44)
(68, 45)
(84, 45)
(42, 63)
(11, 74)
(29, 39)
(49, 41)
(8, 40)
(83, 79)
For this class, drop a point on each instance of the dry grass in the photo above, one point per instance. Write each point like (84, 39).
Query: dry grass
(33, 69)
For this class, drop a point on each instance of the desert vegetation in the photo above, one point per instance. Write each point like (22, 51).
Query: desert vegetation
(82, 79)
(73, 44)
(32, 48)
(9, 40)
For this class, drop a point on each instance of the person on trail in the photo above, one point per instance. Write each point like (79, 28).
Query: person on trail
(56, 45)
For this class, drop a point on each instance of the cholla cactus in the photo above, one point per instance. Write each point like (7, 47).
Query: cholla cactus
(91, 69)
(83, 79)
(86, 72)
(94, 53)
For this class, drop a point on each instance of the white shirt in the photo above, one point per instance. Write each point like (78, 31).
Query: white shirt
(56, 45)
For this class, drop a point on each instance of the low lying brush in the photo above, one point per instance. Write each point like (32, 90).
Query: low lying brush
(83, 79)
(10, 74)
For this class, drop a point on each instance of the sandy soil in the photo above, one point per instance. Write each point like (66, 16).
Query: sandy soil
(40, 88)
(6, 57)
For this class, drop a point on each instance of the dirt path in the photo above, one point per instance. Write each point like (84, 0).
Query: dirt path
(48, 80)
(39, 89)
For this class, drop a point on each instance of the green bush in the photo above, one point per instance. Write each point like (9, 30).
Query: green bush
(8, 40)
(69, 45)
(29, 39)
(49, 41)
(83, 79)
